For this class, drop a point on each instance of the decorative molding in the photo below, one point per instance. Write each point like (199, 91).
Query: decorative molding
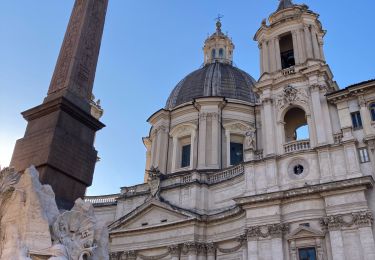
(203, 116)
(210, 248)
(156, 257)
(241, 241)
(291, 95)
(266, 231)
(365, 181)
(174, 250)
(129, 255)
(340, 221)
(184, 129)
(324, 88)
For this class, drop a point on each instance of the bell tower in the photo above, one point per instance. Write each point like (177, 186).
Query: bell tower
(294, 36)
(294, 78)
(60, 132)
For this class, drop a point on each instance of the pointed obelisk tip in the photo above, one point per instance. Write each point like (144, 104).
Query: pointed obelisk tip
(76, 65)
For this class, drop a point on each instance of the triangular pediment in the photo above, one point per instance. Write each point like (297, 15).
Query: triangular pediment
(305, 232)
(150, 214)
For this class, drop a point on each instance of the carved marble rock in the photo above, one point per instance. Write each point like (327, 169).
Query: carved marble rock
(31, 225)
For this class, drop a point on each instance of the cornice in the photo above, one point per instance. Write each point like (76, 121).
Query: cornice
(366, 181)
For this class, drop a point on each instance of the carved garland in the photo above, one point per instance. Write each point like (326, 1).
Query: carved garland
(266, 231)
(291, 95)
(337, 222)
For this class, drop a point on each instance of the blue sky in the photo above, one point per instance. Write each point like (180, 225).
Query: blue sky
(148, 46)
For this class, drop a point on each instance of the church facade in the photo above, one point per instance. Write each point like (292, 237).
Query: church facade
(279, 168)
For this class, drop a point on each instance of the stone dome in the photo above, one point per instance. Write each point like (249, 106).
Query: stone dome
(213, 80)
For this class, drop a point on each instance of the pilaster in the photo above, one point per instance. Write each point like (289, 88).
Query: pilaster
(308, 44)
(366, 118)
(318, 115)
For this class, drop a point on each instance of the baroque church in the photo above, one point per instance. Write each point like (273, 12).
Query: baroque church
(281, 167)
(236, 168)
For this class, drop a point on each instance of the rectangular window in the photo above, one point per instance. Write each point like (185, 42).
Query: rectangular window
(185, 156)
(307, 253)
(363, 155)
(236, 153)
(356, 120)
(372, 111)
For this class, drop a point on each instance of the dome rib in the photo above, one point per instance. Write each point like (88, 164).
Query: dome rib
(215, 79)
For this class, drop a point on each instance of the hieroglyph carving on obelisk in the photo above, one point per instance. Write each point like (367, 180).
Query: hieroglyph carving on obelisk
(76, 65)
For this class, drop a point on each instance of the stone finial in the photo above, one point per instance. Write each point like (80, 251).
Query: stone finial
(284, 4)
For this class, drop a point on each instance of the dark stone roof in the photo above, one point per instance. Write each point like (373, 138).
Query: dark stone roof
(215, 79)
(284, 4)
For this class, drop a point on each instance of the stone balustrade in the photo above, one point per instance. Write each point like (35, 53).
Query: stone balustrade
(225, 175)
(298, 145)
(338, 138)
(102, 200)
(288, 71)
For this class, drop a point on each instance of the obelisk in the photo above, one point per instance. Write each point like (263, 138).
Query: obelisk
(59, 138)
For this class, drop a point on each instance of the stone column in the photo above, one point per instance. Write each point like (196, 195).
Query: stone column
(309, 51)
(312, 132)
(315, 44)
(211, 251)
(318, 115)
(277, 54)
(300, 40)
(268, 126)
(252, 249)
(297, 57)
(174, 252)
(215, 140)
(260, 46)
(153, 147)
(293, 251)
(272, 60)
(192, 148)
(351, 159)
(366, 117)
(337, 245)
(277, 248)
(192, 250)
(174, 153)
(325, 164)
(367, 241)
(265, 56)
(202, 140)
(227, 137)
(161, 151)
(321, 44)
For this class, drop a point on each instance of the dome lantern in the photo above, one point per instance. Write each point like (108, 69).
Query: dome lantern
(218, 47)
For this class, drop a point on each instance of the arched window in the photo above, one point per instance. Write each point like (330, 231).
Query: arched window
(296, 127)
(372, 111)
(221, 53)
(213, 53)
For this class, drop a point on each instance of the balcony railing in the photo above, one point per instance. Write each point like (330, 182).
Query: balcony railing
(299, 145)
